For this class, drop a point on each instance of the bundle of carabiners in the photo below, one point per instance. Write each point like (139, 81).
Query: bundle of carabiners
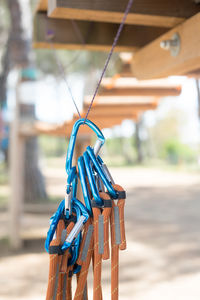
(79, 232)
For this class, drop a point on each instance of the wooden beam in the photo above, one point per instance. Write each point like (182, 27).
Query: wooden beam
(194, 74)
(121, 109)
(121, 100)
(103, 121)
(143, 12)
(141, 91)
(42, 5)
(154, 62)
(97, 36)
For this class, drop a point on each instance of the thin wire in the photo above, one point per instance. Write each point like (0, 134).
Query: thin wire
(110, 54)
(61, 70)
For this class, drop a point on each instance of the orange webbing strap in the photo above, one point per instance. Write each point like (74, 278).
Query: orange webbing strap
(63, 267)
(97, 257)
(69, 283)
(106, 218)
(85, 292)
(93, 270)
(82, 278)
(121, 204)
(60, 287)
(114, 258)
(54, 263)
(86, 227)
(118, 238)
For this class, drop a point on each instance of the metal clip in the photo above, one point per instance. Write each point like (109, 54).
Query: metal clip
(76, 229)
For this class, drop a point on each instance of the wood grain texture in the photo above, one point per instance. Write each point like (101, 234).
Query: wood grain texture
(144, 12)
(154, 62)
(97, 35)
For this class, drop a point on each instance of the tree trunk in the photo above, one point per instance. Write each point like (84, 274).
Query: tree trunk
(33, 180)
(18, 54)
(138, 142)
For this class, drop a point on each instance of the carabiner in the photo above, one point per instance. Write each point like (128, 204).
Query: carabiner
(72, 141)
(82, 217)
(53, 224)
(75, 245)
(101, 173)
(105, 169)
(80, 211)
(91, 179)
(82, 174)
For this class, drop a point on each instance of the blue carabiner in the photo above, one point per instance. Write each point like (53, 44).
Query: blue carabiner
(82, 174)
(82, 209)
(99, 170)
(91, 179)
(79, 210)
(53, 224)
(72, 141)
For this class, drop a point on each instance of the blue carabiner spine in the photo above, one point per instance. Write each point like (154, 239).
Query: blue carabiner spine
(99, 170)
(91, 179)
(86, 195)
(53, 224)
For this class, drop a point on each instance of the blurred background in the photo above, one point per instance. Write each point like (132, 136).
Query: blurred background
(152, 149)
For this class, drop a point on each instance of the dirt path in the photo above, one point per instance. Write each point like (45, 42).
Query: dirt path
(163, 256)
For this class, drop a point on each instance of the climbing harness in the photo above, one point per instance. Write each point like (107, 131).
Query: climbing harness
(79, 231)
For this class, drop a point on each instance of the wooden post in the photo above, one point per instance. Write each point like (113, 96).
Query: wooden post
(17, 145)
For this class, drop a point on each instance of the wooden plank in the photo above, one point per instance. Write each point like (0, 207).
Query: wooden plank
(109, 119)
(103, 121)
(42, 5)
(154, 62)
(97, 36)
(141, 91)
(121, 109)
(143, 12)
(194, 74)
(121, 100)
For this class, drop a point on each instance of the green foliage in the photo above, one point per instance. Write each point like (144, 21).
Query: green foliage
(52, 146)
(119, 151)
(176, 152)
